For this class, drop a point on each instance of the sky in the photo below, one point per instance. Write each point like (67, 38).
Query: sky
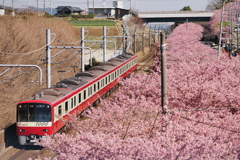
(139, 5)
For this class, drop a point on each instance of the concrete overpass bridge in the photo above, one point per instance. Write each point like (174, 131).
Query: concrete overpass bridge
(176, 16)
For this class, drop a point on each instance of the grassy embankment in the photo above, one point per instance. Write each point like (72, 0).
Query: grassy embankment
(100, 22)
(24, 35)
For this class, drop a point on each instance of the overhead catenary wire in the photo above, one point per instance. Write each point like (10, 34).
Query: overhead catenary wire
(134, 109)
(43, 47)
(59, 40)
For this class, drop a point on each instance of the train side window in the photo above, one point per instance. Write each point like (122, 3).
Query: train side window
(109, 78)
(106, 81)
(74, 101)
(95, 87)
(79, 98)
(89, 91)
(59, 110)
(98, 85)
(71, 103)
(84, 94)
(66, 106)
(102, 83)
(115, 73)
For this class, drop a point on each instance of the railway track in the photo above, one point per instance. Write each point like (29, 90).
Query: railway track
(15, 157)
(44, 153)
(145, 61)
(34, 152)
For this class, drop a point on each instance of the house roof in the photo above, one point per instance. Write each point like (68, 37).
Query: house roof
(77, 9)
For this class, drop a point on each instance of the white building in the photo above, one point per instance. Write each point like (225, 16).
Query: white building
(1, 12)
(104, 9)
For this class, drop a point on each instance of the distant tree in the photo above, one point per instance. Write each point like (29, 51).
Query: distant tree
(186, 8)
(216, 4)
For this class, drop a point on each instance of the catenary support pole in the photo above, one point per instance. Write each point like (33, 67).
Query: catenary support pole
(20, 65)
(135, 41)
(149, 36)
(123, 40)
(154, 40)
(143, 39)
(164, 97)
(104, 44)
(83, 50)
(48, 57)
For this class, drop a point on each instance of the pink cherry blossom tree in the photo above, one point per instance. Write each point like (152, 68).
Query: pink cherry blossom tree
(203, 118)
(230, 9)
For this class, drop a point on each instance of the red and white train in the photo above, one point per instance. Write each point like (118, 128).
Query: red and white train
(41, 114)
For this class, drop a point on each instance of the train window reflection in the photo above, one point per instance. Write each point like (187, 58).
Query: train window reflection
(39, 113)
(34, 112)
(22, 110)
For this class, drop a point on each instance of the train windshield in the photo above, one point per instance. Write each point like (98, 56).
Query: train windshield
(33, 112)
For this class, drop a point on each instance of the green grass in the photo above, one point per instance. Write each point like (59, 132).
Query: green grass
(80, 23)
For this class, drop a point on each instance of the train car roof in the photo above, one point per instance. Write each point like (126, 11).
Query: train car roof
(49, 94)
(66, 86)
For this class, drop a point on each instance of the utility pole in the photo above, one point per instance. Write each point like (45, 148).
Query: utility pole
(230, 30)
(130, 6)
(220, 33)
(93, 8)
(88, 6)
(4, 7)
(237, 17)
(164, 98)
(37, 8)
(51, 7)
(44, 7)
(13, 14)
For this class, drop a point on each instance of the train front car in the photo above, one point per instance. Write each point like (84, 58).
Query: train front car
(34, 121)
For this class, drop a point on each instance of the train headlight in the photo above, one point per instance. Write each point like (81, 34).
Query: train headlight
(45, 130)
(22, 130)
